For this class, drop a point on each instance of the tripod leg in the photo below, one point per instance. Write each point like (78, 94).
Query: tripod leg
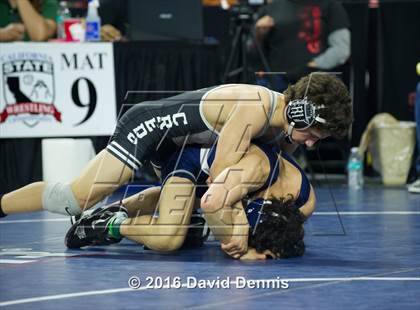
(260, 52)
(234, 47)
(263, 59)
(244, 60)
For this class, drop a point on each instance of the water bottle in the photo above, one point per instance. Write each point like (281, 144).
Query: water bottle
(93, 22)
(62, 14)
(355, 169)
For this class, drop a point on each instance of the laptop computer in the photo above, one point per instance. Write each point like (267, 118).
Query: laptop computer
(165, 20)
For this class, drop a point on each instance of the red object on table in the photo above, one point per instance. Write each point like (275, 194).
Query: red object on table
(67, 23)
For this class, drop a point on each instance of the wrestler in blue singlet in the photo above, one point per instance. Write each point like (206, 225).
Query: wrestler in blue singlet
(193, 163)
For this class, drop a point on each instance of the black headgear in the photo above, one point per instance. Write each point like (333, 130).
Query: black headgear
(302, 114)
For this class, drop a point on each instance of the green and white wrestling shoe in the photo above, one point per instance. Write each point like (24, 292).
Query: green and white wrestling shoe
(100, 227)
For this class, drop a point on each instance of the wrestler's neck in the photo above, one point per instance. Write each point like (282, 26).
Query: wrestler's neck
(279, 120)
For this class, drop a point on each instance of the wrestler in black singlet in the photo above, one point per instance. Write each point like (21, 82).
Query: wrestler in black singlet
(152, 129)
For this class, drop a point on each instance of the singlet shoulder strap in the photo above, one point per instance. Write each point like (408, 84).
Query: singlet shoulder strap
(272, 107)
(272, 155)
(305, 188)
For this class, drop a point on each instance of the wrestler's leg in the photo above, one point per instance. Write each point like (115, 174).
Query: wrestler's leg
(166, 232)
(103, 175)
(24, 199)
(143, 203)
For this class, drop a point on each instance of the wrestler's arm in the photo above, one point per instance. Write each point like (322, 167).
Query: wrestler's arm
(227, 191)
(230, 225)
(235, 182)
(222, 225)
(238, 243)
(246, 121)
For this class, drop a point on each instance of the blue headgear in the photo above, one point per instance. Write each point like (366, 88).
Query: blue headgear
(254, 210)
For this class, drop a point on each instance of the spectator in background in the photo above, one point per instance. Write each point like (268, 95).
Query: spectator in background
(28, 20)
(303, 36)
(113, 15)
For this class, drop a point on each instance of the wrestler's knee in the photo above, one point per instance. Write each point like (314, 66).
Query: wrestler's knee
(59, 198)
(87, 196)
(81, 195)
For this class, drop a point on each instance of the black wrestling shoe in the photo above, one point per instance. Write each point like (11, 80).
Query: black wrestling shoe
(75, 218)
(92, 228)
(195, 235)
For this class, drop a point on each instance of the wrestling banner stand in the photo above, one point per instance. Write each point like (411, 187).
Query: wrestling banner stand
(57, 90)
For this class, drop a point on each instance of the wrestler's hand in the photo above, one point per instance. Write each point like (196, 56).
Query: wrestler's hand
(237, 246)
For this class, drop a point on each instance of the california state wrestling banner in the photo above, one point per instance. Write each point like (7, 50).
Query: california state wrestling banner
(56, 89)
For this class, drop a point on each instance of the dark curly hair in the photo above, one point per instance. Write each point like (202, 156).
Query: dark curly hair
(327, 90)
(280, 230)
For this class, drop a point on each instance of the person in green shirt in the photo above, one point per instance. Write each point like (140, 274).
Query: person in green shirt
(27, 20)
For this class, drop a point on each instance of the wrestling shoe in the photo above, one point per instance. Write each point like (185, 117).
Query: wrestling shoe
(92, 228)
(75, 218)
(195, 235)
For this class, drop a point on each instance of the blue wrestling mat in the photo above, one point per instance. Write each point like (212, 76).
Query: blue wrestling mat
(368, 260)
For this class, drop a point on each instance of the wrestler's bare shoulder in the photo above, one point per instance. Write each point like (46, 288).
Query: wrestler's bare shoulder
(219, 102)
(238, 92)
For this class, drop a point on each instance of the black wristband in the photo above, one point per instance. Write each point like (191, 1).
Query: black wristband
(2, 214)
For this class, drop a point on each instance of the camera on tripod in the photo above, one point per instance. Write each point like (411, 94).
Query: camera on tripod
(237, 66)
(245, 9)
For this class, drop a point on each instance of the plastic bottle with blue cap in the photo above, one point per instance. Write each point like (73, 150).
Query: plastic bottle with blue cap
(355, 169)
(93, 22)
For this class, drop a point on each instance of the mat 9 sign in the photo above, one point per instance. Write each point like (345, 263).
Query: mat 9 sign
(56, 89)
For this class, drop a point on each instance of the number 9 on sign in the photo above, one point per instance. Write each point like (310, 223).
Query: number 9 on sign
(84, 99)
